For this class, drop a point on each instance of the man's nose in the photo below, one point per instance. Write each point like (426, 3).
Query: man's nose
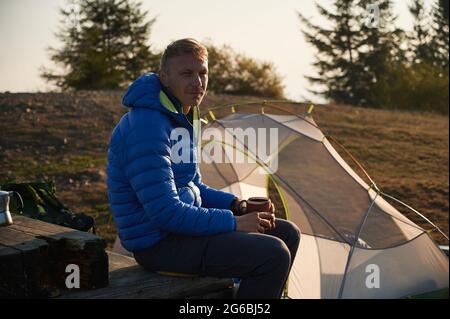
(197, 80)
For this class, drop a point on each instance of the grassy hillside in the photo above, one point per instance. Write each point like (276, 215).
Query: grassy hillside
(64, 137)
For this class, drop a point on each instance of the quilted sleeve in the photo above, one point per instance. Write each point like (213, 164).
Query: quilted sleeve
(211, 197)
(148, 168)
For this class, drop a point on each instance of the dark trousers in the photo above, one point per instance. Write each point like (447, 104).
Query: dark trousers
(261, 261)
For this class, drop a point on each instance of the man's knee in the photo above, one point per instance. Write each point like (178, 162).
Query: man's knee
(278, 252)
(296, 233)
(290, 229)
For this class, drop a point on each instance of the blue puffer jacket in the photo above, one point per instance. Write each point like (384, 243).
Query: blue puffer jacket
(151, 195)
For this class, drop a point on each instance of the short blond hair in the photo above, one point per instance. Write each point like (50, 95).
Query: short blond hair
(182, 47)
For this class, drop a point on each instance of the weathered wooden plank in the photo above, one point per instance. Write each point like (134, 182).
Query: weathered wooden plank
(117, 261)
(69, 246)
(55, 232)
(73, 247)
(47, 249)
(29, 268)
(22, 241)
(12, 275)
(129, 280)
(63, 246)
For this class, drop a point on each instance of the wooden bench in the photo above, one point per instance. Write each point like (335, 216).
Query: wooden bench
(34, 256)
(129, 280)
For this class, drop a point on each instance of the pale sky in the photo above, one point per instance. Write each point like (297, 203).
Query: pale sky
(263, 29)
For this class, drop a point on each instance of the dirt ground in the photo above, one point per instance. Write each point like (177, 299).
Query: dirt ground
(64, 137)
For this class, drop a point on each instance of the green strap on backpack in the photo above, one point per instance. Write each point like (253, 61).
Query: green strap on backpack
(40, 202)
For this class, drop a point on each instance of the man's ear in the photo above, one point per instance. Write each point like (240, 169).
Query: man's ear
(163, 77)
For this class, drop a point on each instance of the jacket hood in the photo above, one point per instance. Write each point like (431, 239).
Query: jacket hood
(144, 92)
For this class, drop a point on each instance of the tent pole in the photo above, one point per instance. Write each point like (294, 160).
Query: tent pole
(417, 212)
(341, 290)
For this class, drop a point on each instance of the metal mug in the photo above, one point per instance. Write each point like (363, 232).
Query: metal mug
(5, 214)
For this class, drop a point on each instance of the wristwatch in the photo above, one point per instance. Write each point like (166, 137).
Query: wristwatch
(239, 207)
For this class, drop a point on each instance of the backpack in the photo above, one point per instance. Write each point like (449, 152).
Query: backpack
(40, 202)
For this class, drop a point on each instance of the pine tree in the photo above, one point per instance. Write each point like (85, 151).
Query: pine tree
(420, 39)
(421, 81)
(337, 60)
(440, 32)
(104, 45)
(381, 46)
(352, 53)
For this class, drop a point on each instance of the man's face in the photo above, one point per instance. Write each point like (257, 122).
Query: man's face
(187, 78)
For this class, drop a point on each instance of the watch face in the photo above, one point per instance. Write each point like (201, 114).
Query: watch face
(243, 207)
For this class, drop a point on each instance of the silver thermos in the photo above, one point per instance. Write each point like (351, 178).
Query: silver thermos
(5, 215)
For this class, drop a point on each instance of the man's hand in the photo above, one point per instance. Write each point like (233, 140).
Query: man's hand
(271, 217)
(254, 222)
(272, 210)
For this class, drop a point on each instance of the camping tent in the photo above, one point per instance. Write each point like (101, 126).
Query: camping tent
(354, 243)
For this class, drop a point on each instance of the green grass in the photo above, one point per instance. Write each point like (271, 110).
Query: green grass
(29, 166)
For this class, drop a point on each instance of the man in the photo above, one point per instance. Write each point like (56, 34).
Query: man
(163, 212)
